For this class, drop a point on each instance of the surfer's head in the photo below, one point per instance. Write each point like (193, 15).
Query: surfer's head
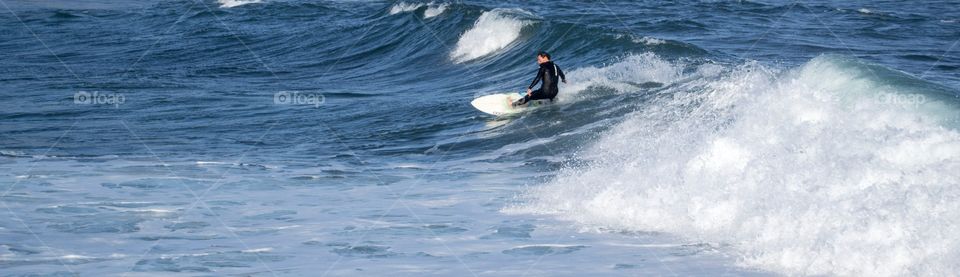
(543, 57)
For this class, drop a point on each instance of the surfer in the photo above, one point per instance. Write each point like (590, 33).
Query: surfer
(549, 73)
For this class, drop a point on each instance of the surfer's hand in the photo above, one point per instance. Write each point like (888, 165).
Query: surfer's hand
(529, 91)
(564, 81)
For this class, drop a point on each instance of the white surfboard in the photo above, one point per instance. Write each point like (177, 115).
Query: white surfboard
(499, 104)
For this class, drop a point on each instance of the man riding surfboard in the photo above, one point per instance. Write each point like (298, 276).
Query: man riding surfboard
(549, 73)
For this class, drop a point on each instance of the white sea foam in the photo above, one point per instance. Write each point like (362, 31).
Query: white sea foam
(623, 76)
(493, 31)
(405, 7)
(803, 172)
(234, 3)
(11, 153)
(257, 250)
(649, 41)
(434, 10)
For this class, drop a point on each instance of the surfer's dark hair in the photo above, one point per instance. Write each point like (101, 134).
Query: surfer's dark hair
(543, 54)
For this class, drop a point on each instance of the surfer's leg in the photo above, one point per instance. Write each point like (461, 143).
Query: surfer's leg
(534, 95)
(538, 94)
(552, 95)
(520, 101)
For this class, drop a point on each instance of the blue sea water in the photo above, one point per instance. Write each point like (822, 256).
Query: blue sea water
(335, 138)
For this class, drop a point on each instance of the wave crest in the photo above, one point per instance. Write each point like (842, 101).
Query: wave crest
(807, 171)
(493, 31)
(433, 9)
(234, 3)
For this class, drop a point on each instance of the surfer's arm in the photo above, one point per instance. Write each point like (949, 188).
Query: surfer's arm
(536, 79)
(562, 77)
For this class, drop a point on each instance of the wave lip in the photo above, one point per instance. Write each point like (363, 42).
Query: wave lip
(405, 7)
(434, 10)
(624, 76)
(818, 170)
(234, 3)
(493, 31)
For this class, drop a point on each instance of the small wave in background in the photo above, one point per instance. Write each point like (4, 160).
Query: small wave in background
(493, 31)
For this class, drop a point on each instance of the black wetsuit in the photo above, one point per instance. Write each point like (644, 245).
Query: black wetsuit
(551, 74)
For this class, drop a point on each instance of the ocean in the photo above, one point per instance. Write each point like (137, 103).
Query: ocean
(336, 138)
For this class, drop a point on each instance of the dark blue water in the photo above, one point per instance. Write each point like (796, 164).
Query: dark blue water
(336, 138)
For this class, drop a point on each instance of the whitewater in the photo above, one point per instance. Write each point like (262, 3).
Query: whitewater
(821, 169)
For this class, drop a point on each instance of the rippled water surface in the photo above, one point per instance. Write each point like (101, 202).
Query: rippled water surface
(335, 138)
